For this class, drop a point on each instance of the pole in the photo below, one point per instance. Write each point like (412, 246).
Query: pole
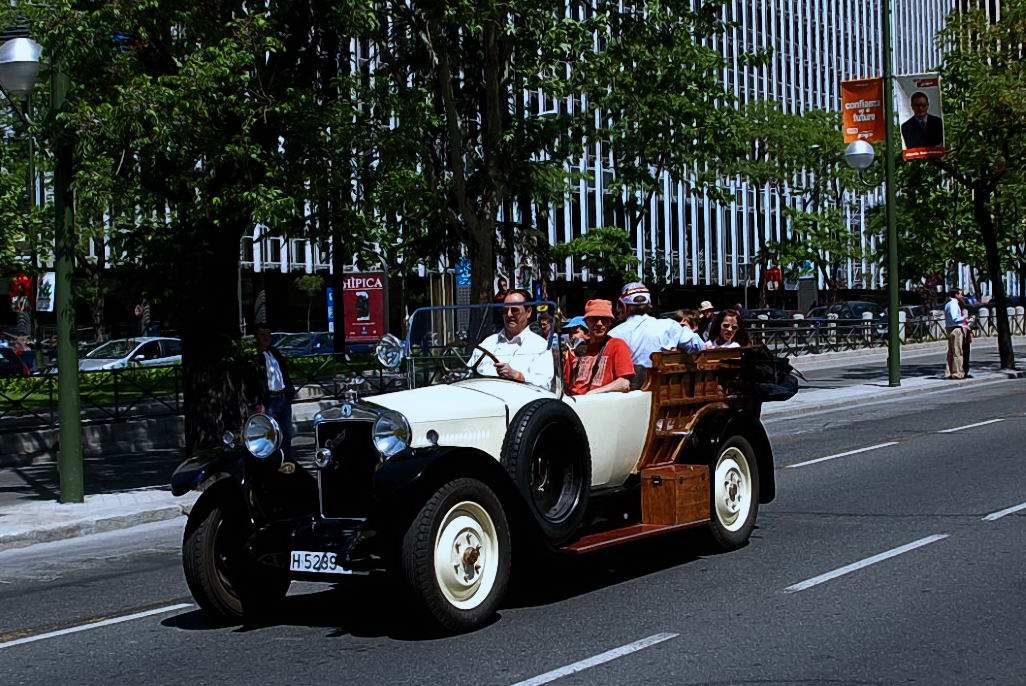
(893, 275)
(70, 458)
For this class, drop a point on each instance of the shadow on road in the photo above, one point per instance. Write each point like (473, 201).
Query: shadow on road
(372, 607)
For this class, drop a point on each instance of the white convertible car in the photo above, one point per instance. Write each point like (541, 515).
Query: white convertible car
(440, 482)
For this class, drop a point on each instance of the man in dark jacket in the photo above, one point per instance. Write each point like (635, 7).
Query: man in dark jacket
(272, 390)
(922, 129)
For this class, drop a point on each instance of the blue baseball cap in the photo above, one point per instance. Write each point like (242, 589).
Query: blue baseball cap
(574, 322)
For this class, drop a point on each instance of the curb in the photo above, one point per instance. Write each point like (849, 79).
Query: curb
(883, 394)
(86, 526)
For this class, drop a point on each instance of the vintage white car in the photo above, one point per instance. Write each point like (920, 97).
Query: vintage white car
(437, 484)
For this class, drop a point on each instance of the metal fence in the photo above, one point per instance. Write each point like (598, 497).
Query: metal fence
(120, 395)
(800, 336)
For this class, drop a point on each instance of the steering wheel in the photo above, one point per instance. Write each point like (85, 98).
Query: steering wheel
(485, 353)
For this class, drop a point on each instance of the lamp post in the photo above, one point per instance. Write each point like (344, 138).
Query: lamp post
(893, 337)
(19, 66)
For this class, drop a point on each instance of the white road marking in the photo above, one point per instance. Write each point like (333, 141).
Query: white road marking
(94, 625)
(855, 566)
(599, 659)
(971, 426)
(845, 454)
(1007, 511)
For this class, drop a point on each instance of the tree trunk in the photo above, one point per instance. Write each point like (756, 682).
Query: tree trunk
(985, 221)
(212, 379)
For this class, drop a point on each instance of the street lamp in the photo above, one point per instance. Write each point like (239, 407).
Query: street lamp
(20, 63)
(19, 66)
(859, 155)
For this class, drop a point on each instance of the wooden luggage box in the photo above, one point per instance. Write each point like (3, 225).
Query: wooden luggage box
(675, 495)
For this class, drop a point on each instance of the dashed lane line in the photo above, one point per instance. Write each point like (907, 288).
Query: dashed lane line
(844, 454)
(855, 566)
(971, 426)
(596, 660)
(993, 516)
(94, 625)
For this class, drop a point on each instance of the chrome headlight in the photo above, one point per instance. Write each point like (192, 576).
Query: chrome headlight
(261, 436)
(389, 351)
(391, 434)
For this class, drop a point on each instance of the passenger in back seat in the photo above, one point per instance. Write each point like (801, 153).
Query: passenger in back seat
(604, 364)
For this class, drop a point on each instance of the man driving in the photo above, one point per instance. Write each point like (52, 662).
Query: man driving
(519, 353)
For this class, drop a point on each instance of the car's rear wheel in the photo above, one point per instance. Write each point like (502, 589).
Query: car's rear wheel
(225, 581)
(456, 555)
(734, 494)
(547, 455)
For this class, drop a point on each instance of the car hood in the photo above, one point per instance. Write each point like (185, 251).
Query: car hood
(470, 399)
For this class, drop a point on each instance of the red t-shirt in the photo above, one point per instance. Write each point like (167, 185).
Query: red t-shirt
(615, 362)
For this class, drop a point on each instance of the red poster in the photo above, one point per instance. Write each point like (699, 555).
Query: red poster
(364, 306)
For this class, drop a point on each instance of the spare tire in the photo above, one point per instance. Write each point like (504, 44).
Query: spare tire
(546, 453)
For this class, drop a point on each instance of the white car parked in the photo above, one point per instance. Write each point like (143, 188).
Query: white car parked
(133, 352)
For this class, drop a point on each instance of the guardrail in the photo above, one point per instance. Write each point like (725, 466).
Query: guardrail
(120, 395)
(801, 336)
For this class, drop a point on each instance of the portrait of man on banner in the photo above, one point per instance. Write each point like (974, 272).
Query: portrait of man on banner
(918, 104)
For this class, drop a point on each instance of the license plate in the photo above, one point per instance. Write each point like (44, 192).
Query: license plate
(318, 563)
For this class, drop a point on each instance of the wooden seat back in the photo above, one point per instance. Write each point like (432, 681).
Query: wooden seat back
(685, 387)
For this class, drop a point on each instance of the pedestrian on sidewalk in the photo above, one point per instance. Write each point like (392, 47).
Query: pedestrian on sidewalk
(953, 321)
(967, 340)
(271, 389)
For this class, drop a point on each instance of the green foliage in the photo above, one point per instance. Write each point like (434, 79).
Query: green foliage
(310, 285)
(804, 155)
(606, 252)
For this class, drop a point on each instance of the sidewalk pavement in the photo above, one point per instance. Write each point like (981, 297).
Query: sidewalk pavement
(131, 488)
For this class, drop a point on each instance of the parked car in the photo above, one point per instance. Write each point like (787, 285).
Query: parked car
(11, 365)
(132, 352)
(770, 312)
(437, 484)
(305, 344)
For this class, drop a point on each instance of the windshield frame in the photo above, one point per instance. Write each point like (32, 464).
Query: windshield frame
(411, 360)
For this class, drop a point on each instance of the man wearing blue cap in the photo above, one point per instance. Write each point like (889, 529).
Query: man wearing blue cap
(644, 333)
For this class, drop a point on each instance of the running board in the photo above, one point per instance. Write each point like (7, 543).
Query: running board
(635, 532)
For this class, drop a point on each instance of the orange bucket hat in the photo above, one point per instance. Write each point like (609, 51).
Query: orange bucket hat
(599, 308)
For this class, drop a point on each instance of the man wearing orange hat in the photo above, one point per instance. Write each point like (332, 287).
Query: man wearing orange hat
(604, 365)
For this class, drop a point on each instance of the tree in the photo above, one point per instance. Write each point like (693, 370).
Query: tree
(310, 285)
(180, 111)
(657, 89)
(803, 155)
(484, 150)
(606, 252)
(984, 78)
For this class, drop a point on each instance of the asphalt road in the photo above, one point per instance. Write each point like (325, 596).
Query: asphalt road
(899, 563)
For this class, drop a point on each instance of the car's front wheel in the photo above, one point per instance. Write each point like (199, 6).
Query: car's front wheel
(456, 555)
(734, 494)
(225, 581)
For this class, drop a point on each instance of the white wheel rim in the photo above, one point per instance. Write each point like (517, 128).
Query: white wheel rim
(733, 489)
(466, 555)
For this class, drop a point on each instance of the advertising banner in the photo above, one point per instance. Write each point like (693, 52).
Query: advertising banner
(917, 100)
(862, 110)
(364, 305)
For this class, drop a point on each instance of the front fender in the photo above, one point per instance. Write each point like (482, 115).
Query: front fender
(704, 444)
(192, 473)
(405, 482)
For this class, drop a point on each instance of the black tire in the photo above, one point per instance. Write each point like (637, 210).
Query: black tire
(486, 583)
(546, 453)
(734, 472)
(227, 583)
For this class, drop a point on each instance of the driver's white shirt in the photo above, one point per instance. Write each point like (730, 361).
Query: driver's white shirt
(527, 353)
